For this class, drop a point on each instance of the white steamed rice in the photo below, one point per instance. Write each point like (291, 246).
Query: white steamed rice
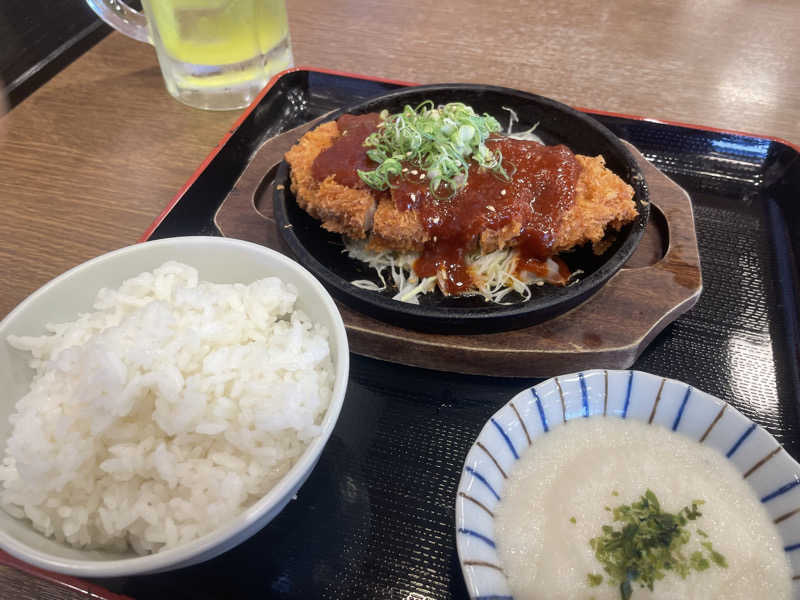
(165, 412)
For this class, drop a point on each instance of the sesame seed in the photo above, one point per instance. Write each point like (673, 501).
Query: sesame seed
(502, 192)
(492, 208)
(422, 176)
(405, 169)
(414, 172)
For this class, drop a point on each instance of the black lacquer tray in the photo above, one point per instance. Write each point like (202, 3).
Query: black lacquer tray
(376, 517)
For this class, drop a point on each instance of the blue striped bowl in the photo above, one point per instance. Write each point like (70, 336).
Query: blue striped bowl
(771, 472)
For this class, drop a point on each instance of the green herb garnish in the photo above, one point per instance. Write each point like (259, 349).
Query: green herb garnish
(438, 142)
(698, 562)
(718, 559)
(573, 520)
(594, 579)
(647, 543)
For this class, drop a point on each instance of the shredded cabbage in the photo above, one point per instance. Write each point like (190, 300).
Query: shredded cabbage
(494, 274)
(527, 136)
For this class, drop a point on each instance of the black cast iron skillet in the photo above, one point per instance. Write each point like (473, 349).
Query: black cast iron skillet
(321, 251)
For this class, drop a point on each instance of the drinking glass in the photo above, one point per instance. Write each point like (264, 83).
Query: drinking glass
(214, 54)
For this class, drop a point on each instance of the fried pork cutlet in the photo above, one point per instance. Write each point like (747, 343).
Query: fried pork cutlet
(602, 200)
(555, 201)
(341, 208)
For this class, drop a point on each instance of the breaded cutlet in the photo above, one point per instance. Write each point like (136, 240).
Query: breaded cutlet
(341, 209)
(602, 200)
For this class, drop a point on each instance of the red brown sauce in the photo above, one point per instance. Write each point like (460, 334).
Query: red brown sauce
(541, 189)
(541, 269)
(347, 155)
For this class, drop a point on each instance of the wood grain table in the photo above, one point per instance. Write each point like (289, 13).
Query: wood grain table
(90, 159)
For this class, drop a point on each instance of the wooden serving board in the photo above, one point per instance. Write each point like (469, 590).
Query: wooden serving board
(659, 283)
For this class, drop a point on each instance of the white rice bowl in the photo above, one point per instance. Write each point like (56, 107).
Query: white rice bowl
(176, 417)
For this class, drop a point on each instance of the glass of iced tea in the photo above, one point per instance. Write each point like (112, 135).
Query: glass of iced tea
(214, 54)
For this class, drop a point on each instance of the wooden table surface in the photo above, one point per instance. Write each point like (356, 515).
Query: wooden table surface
(90, 159)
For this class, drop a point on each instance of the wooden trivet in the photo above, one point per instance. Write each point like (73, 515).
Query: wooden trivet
(660, 282)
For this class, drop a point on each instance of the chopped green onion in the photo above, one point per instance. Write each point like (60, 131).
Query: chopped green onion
(441, 141)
